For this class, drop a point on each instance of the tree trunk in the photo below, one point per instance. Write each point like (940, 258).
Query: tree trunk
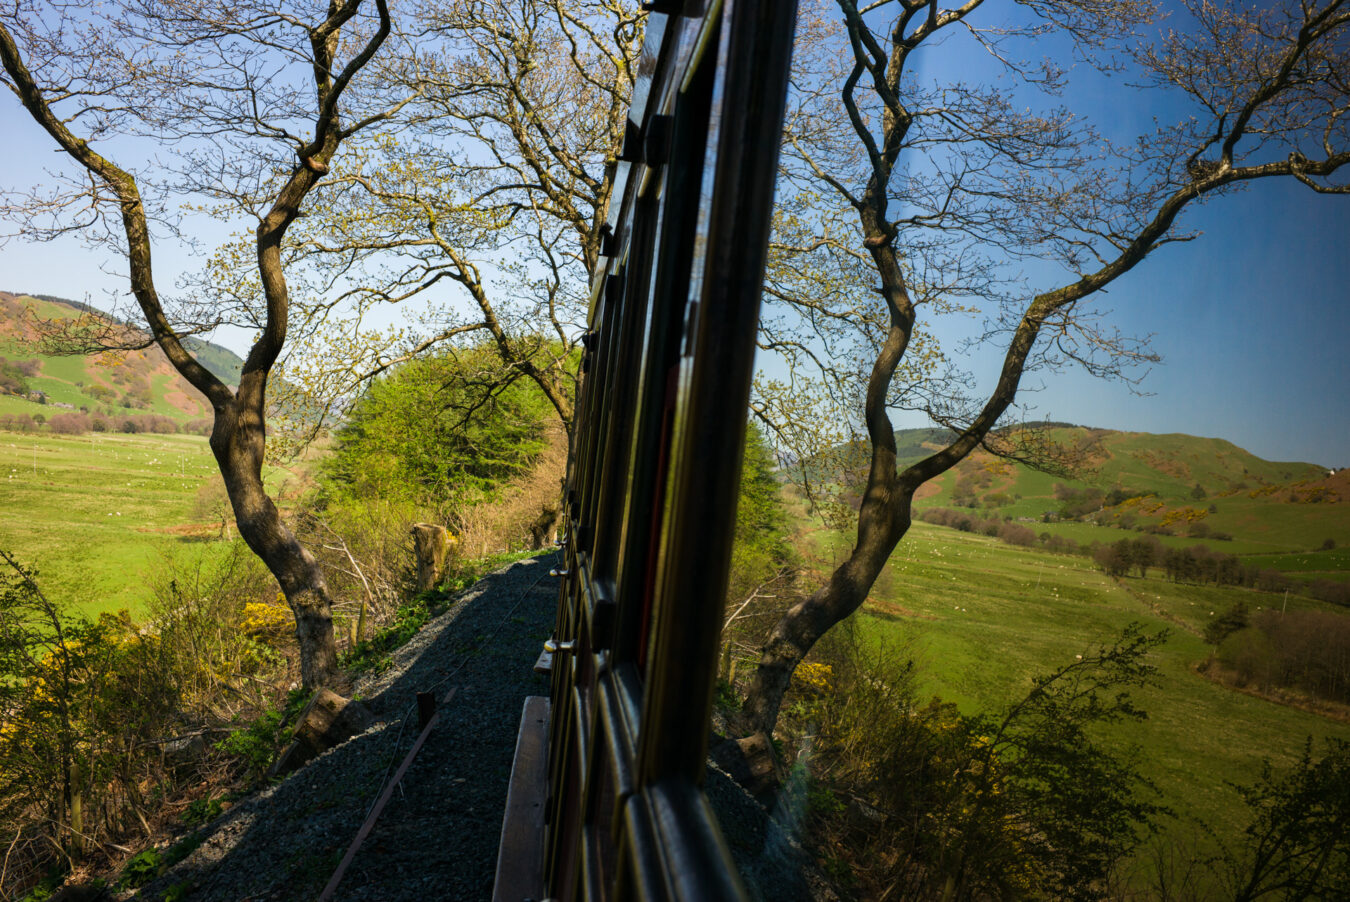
(544, 529)
(237, 441)
(803, 625)
(431, 543)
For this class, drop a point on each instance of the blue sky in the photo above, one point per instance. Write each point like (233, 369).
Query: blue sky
(1251, 319)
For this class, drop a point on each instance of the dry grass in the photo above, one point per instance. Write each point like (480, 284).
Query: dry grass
(527, 512)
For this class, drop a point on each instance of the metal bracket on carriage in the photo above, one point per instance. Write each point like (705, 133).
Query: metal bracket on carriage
(552, 646)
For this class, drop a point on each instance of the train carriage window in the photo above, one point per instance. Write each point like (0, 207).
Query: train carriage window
(663, 396)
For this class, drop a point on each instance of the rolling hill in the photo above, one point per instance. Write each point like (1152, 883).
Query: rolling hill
(1183, 488)
(132, 381)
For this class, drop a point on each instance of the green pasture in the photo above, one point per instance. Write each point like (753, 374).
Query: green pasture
(1306, 561)
(97, 513)
(1259, 526)
(982, 618)
(11, 404)
(1287, 527)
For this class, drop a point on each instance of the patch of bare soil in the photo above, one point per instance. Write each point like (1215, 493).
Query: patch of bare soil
(928, 489)
(189, 404)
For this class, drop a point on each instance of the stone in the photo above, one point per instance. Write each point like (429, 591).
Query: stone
(327, 721)
(432, 544)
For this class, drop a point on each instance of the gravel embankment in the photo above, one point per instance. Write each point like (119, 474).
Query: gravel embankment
(437, 838)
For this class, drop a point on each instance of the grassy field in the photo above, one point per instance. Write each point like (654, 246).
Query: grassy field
(982, 618)
(97, 513)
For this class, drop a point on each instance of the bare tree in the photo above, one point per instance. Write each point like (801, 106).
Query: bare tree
(932, 195)
(497, 188)
(250, 103)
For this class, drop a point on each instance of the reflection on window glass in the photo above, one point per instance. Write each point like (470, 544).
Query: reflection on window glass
(1025, 600)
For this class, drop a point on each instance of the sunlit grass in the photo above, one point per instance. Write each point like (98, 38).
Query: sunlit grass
(97, 513)
(982, 618)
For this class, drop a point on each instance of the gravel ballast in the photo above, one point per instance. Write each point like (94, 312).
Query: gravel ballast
(437, 837)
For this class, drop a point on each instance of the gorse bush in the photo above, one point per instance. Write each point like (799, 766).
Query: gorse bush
(216, 626)
(90, 708)
(77, 699)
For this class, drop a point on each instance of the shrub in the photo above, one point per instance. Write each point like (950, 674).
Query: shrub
(1221, 627)
(197, 609)
(18, 422)
(76, 697)
(961, 801)
(440, 430)
(140, 869)
(69, 424)
(1295, 846)
(14, 377)
(1017, 534)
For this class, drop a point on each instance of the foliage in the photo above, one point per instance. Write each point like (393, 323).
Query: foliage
(141, 868)
(441, 430)
(199, 811)
(77, 696)
(179, 86)
(200, 611)
(1297, 843)
(1227, 623)
(94, 711)
(1028, 802)
(256, 745)
(149, 863)
(14, 376)
(764, 563)
(761, 547)
(497, 187)
(1308, 651)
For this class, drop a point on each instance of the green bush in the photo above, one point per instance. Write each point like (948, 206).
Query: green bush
(199, 811)
(141, 868)
(1023, 803)
(256, 745)
(763, 561)
(76, 698)
(445, 430)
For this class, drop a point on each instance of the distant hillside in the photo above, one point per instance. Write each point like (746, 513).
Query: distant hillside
(222, 362)
(138, 381)
(1179, 485)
